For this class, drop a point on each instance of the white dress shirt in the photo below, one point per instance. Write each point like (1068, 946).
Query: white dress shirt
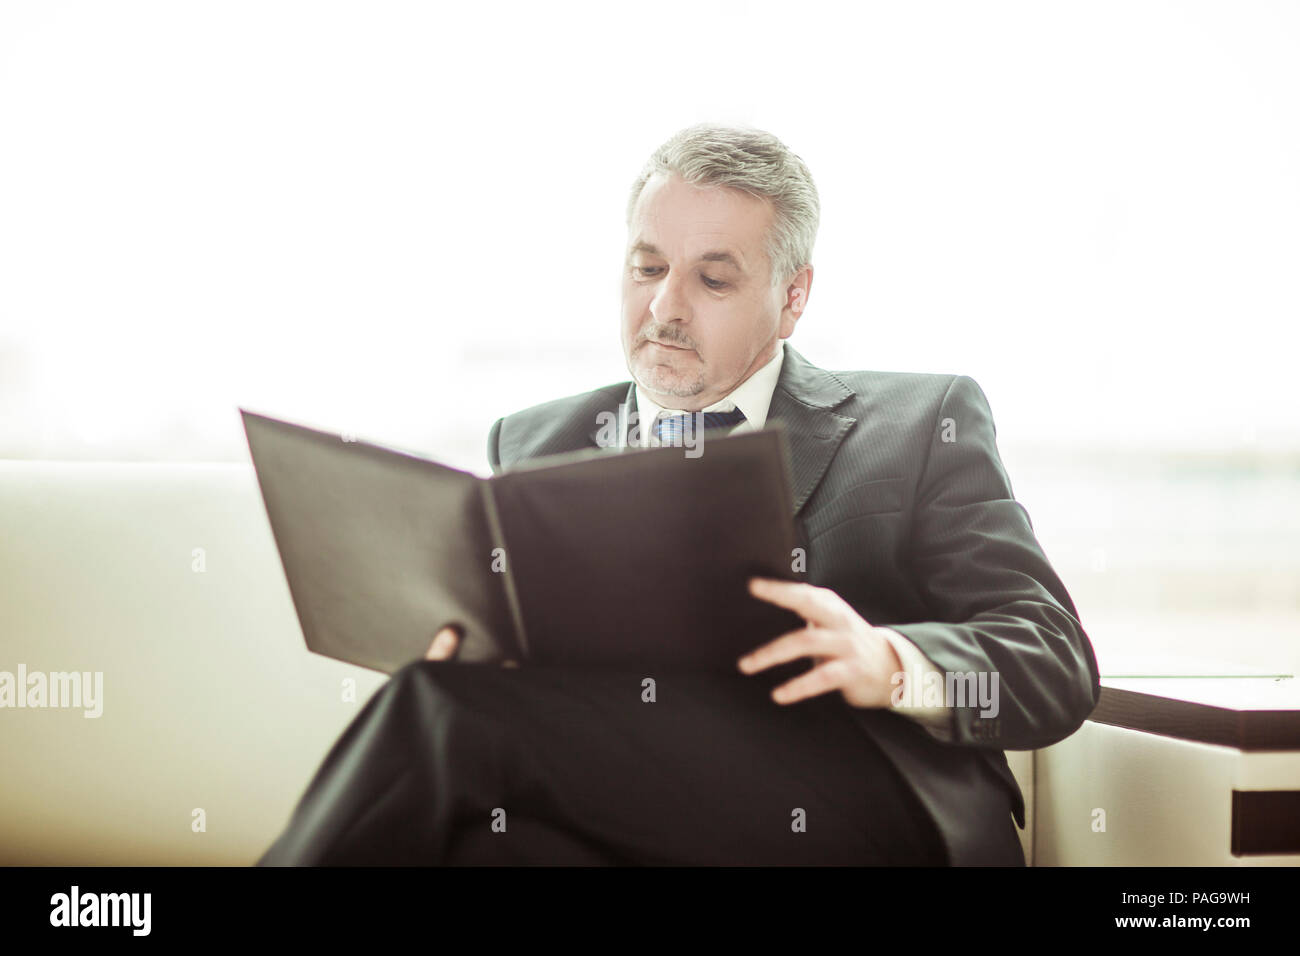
(753, 397)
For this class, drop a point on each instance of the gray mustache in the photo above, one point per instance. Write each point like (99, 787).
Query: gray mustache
(669, 340)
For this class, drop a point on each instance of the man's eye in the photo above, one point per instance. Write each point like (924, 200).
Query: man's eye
(647, 270)
(714, 283)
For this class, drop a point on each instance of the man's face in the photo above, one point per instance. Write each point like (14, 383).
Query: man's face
(699, 311)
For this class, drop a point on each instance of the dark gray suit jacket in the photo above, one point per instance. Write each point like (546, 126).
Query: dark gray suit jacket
(905, 510)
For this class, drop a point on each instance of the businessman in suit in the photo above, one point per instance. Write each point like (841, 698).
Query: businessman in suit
(936, 633)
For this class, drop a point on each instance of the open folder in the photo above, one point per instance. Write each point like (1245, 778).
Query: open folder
(601, 557)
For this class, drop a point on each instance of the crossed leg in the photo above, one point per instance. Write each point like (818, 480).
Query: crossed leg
(461, 764)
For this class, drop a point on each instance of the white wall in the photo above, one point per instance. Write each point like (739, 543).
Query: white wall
(405, 219)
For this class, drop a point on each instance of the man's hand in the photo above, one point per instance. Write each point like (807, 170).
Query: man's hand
(850, 655)
(446, 642)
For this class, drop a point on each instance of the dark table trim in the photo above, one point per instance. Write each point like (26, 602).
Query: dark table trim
(1201, 723)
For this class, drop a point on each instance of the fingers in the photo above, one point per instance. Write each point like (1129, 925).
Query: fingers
(834, 674)
(444, 644)
(805, 642)
(818, 606)
(447, 641)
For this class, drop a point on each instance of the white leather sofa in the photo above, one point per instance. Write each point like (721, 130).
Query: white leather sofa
(1180, 771)
(165, 579)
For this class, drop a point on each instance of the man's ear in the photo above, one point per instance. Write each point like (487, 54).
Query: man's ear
(796, 299)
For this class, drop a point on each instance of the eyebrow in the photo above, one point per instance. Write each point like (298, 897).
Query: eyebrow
(715, 255)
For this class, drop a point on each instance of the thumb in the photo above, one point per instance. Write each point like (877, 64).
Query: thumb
(444, 644)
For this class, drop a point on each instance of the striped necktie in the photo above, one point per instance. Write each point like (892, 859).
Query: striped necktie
(670, 429)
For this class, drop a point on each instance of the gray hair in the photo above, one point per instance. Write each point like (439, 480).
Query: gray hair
(754, 162)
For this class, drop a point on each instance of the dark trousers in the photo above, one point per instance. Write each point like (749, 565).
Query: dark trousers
(470, 764)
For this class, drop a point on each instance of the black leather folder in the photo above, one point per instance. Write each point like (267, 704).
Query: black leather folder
(603, 557)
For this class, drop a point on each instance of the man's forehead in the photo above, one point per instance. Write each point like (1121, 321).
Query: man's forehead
(695, 251)
(710, 222)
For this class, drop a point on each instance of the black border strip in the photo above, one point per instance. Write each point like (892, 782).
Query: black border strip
(1265, 822)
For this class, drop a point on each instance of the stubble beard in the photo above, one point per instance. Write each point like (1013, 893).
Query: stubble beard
(662, 380)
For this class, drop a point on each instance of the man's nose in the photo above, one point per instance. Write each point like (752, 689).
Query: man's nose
(670, 302)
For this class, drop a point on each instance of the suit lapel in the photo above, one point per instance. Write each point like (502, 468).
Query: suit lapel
(804, 399)
(600, 433)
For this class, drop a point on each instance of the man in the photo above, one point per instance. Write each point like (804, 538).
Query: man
(936, 631)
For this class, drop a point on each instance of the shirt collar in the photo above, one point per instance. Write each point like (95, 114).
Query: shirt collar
(753, 396)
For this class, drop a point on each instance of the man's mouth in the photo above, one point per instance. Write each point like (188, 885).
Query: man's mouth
(665, 345)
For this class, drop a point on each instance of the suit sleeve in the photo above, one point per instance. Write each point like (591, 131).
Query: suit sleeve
(1020, 672)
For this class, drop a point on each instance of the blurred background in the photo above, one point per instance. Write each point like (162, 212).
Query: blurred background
(405, 220)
